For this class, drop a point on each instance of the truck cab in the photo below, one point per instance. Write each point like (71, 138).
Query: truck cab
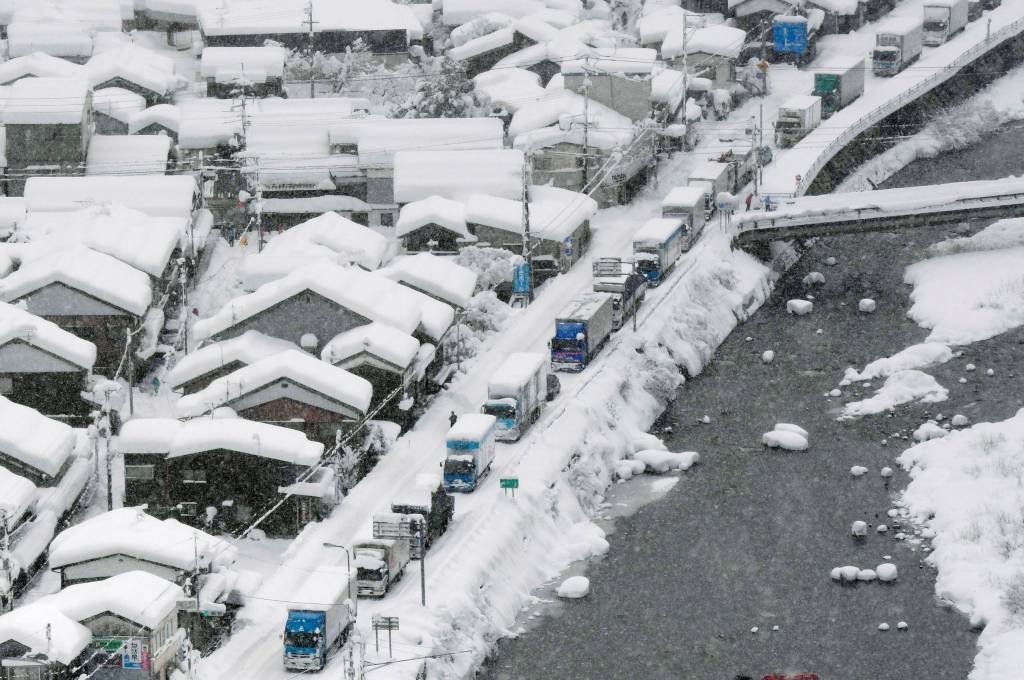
(470, 451)
(379, 562)
(305, 643)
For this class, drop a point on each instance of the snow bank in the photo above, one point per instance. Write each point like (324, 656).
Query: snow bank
(968, 489)
(968, 297)
(663, 461)
(574, 587)
(784, 439)
(899, 388)
(923, 355)
(929, 430)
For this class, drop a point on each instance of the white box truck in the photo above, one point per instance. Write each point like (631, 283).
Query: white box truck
(687, 203)
(943, 19)
(897, 45)
(796, 118)
(320, 618)
(470, 451)
(515, 394)
(712, 178)
(379, 562)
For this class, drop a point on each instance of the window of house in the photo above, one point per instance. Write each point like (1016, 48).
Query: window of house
(140, 472)
(188, 509)
(193, 476)
(387, 219)
(361, 218)
(6, 384)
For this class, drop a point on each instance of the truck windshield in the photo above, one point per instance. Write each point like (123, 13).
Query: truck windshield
(459, 467)
(886, 55)
(500, 411)
(306, 640)
(644, 265)
(564, 345)
(369, 574)
(935, 25)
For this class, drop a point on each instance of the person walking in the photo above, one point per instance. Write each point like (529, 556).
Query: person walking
(453, 419)
(750, 197)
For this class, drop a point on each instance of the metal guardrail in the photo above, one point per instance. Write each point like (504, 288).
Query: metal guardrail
(893, 105)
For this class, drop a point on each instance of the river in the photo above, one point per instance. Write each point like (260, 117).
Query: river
(747, 538)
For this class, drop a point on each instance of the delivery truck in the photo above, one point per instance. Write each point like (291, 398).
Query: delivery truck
(839, 82)
(516, 394)
(470, 451)
(426, 499)
(320, 618)
(627, 286)
(658, 244)
(712, 178)
(943, 19)
(897, 45)
(379, 562)
(686, 203)
(581, 329)
(796, 118)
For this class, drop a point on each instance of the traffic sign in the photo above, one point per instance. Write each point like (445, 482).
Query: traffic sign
(385, 622)
(509, 482)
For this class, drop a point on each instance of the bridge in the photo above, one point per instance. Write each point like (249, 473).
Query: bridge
(884, 210)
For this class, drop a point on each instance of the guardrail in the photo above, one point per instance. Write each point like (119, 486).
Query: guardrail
(895, 104)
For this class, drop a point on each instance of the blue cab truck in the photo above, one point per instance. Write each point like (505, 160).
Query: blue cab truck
(581, 329)
(658, 244)
(320, 619)
(516, 394)
(470, 451)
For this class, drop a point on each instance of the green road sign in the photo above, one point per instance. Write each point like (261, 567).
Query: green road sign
(509, 483)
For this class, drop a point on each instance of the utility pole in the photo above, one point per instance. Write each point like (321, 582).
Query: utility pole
(755, 146)
(131, 371)
(7, 595)
(586, 127)
(527, 250)
(421, 535)
(312, 53)
(258, 192)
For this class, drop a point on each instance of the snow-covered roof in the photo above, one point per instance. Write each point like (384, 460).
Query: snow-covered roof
(660, 20)
(623, 60)
(458, 12)
(157, 196)
(472, 426)
(262, 17)
(554, 213)
(294, 365)
(839, 7)
(390, 344)
(379, 141)
(432, 210)
(569, 106)
(538, 27)
(721, 40)
(118, 103)
(683, 196)
(130, 531)
(131, 236)
(657, 229)
(313, 204)
(247, 348)
(54, 38)
(39, 101)
(30, 437)
(38, 64)
(139, 154)
(90, 271)
(421, 174)
(268, 60)
(140, 597)
(97, 15)
(369, 295)
(557, 51)
(436, 276)
(138, 65)
(17, 495)
(510, 87)
(517, 369)
(245, 436)
(17, 324)
(167, 115)
(45, 630)
(206, 122)
(483, 44)
(667, 87)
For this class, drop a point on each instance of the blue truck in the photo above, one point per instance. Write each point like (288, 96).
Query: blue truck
(659, 243)
(581, 329)
(470, 451)
(320, 618)
(516, 394)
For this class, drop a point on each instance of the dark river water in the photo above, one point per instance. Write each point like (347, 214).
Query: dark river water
(747, 538)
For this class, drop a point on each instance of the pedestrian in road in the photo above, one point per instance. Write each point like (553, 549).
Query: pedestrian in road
(767, 203)
(453, 419)
(750, 197)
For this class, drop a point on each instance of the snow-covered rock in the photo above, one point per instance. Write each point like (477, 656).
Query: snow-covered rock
(989, 372)
(647, 441)
(962, 381)
(574, 587)
(848, 573)
(799, 307)
(883, 626)
(929, 430)
(886, 572)
(706, 419)
(867, 305)
(886, 471)
(881, 528)
(866, 575)
(902, 625)
(784, 439)
(790, 427)
(970, 367)
(835, 392)
(831, 261)
(814, 278)
(768, 356)
(858, 470)
(664, 461)
(960, 420)
(859, 529)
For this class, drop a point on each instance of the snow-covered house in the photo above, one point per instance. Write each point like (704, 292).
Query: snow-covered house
(284, 213)
(128, 154)
(162, 119)
(113, 107)
(166, 15)
(618, 78)
(43, 138)
(291, 388)
(438, 277)
(328, 237)
(260, 68)
(156, 196)
(386, 27)
(196, 370)
(71, 41)
(136, 69)
(43, 366)
(132, 616)
(712, 51)
(33, 446)
(88, 293)
(39, 65)
(510, 88)
(39, 642)
(433, 224)
(453, 174)
(559, 223)
(234, 465)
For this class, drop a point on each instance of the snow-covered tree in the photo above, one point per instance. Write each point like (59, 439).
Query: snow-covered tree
(355, 63)
(448, 94)
(491, 265)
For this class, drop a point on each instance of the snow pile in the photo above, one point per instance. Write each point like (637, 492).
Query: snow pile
(786, 436)
(929, 430)
(814, 279)
(960, 420)
(969, 489)
(858, 471)
(899, 388)
(923, 355)
(574, 587)
(859, 529)
(799, 307)
(157, 196)
(866, 305)
(663, 461)
(968, 297)
(768, 356)
(886, 572)
(1006, 233)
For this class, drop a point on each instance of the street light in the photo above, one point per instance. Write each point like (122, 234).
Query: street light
(348, 566)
